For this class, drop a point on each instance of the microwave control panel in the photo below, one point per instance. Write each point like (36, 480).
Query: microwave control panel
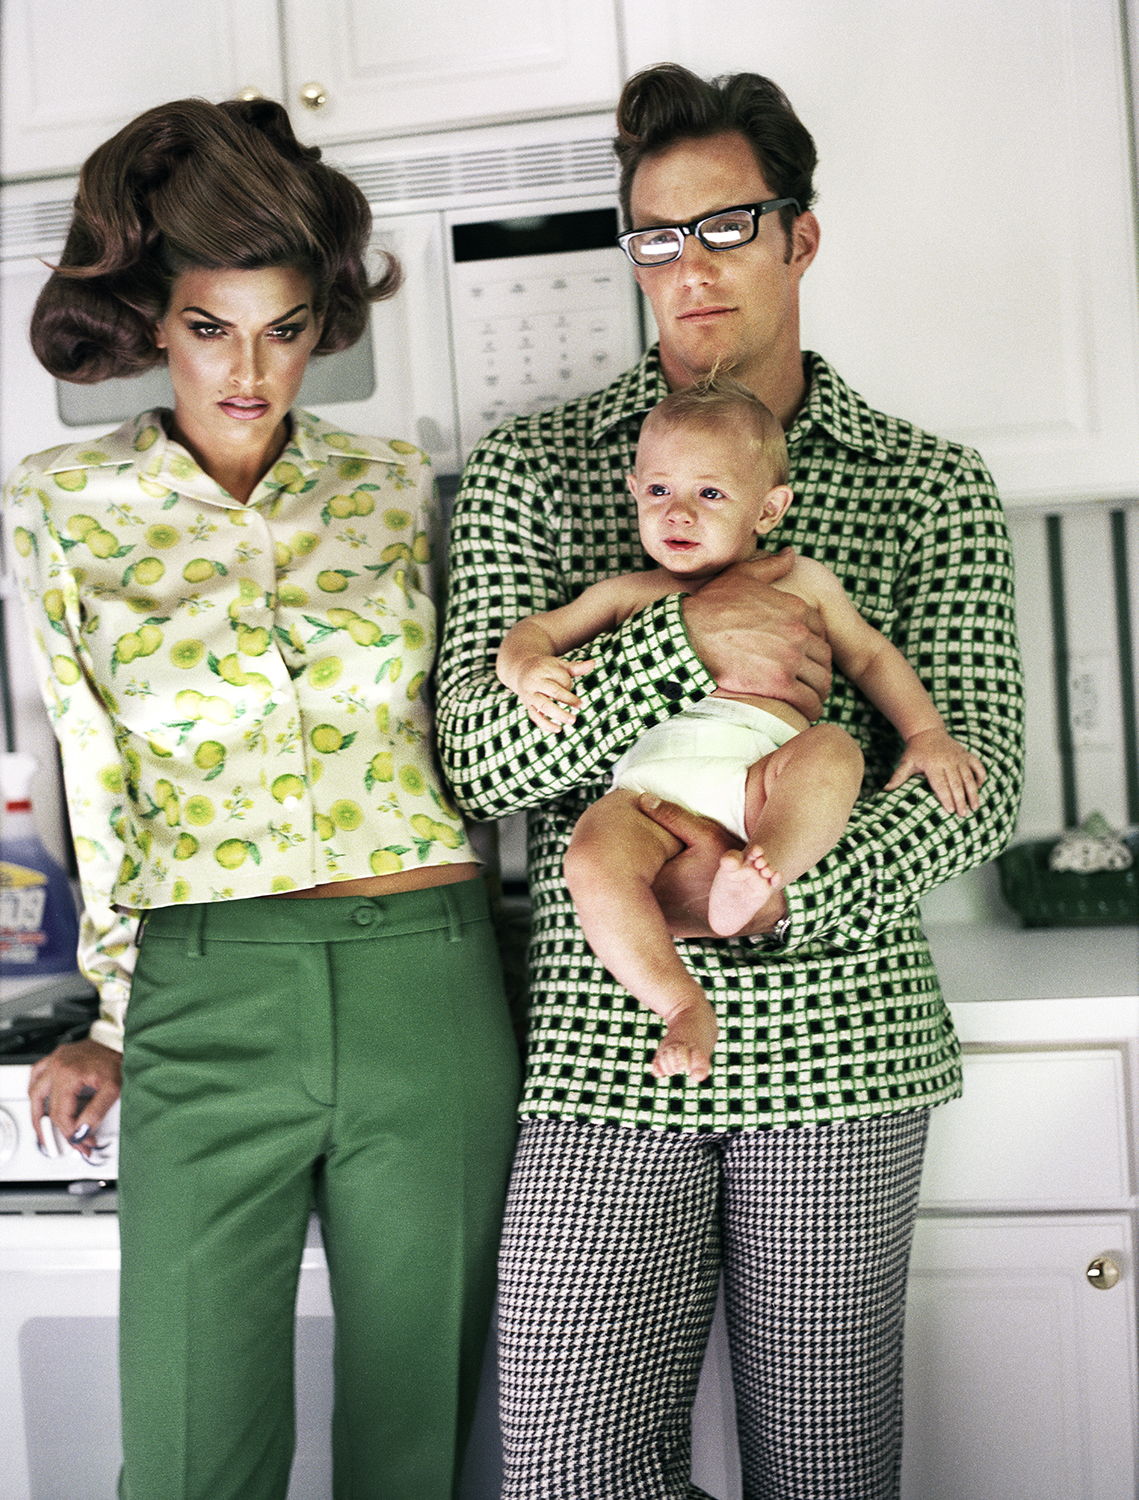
(543, 308)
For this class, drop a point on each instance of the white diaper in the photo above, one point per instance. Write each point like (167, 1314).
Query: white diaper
(701, 758)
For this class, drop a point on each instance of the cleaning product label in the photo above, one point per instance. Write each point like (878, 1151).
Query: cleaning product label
(23, 899)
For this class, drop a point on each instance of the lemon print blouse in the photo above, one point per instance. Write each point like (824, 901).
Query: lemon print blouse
(239, 691)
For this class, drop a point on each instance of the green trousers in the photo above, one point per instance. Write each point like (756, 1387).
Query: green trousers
(351, 1053)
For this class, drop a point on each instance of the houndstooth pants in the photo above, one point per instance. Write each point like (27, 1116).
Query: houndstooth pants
(612, 1251)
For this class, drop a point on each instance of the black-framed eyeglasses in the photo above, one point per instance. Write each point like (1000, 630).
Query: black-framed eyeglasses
(727, 230)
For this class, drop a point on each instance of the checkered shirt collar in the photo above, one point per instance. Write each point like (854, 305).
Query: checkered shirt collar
(830, 405)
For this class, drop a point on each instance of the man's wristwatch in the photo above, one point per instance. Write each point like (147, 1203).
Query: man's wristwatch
(780, 934)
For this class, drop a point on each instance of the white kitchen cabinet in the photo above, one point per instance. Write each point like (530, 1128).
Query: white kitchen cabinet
(346, 70)
(406, 68)
(977, 271)
(1020, 1375)
(73, 74)
(1020, 1371)
(1036, 1129)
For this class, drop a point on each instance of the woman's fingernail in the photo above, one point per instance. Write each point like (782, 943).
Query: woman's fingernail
(80, 1133)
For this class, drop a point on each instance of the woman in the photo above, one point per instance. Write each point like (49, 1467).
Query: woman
(232, 610)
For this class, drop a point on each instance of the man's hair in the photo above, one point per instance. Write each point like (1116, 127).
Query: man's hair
(192, 185)
(667, 103)
(717, 402)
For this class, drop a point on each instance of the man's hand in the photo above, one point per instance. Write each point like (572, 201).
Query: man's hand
(684, 882)
(76, 1085)
(757, 639)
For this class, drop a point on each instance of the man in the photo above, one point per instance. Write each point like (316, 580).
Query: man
(630, 1195)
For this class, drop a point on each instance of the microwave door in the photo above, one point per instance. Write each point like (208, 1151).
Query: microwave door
(409, 392)
(30, 418)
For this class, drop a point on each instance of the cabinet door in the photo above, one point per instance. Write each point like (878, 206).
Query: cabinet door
(73, 74)
(406, 68)
(977, 272)
(1020, 1375)
(1018, 1137)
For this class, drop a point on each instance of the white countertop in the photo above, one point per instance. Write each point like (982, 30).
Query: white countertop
(989, 962)
(1005, 984)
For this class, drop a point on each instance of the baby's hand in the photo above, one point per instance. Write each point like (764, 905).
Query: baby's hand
(954, 774)
(545, 686)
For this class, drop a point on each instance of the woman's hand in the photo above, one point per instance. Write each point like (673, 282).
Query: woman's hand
(757, 639)
(76, 1085)
(682, 887)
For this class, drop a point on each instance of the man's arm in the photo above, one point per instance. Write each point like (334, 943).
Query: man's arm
(505, 564)
(957, 629)
(956, 625)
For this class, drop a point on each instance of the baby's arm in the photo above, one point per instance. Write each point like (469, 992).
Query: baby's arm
(880, 670)
(530, 659)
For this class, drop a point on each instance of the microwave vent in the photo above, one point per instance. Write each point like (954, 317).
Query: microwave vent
(506, 172)
(448, 179)
(35, 228)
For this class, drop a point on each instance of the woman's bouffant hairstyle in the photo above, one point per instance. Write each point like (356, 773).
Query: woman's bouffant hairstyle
(667, 103)
(192, 185)
(717, 401)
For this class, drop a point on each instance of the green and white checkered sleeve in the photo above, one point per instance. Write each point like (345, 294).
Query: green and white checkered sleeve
(958, 629)
(505, 563)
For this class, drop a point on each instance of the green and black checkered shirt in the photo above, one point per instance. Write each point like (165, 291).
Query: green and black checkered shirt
(848, 1021)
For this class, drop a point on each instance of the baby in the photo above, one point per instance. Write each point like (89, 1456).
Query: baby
(710, 478)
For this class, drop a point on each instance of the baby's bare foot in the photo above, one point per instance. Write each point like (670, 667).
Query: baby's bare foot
(688, 1043)
(742, 885)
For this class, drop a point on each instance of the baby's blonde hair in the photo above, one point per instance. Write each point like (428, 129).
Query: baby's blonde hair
(713, 402)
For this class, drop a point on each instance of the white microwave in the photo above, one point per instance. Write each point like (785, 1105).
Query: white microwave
(515, 297)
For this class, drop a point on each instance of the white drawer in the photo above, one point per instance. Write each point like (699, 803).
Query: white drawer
(1035, 1129)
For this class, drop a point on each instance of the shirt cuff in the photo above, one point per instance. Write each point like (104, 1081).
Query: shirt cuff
(108, 1034)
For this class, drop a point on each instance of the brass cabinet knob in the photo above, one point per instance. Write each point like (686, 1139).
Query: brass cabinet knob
(249, 92)
(314, 96)
(1103, 1273)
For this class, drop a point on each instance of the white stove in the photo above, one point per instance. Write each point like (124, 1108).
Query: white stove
(23, 1160)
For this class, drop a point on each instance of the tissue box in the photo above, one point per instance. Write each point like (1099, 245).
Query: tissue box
(1065, 898)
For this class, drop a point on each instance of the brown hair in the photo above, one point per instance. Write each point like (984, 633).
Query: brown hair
(187, 185)
(667, 103)
(717, 401)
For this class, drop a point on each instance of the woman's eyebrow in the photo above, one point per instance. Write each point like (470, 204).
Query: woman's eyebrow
(225, 323)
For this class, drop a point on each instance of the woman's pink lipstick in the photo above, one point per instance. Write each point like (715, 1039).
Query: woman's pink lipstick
(243, 408)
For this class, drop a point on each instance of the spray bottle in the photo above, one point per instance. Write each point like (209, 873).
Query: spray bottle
(38, 927)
